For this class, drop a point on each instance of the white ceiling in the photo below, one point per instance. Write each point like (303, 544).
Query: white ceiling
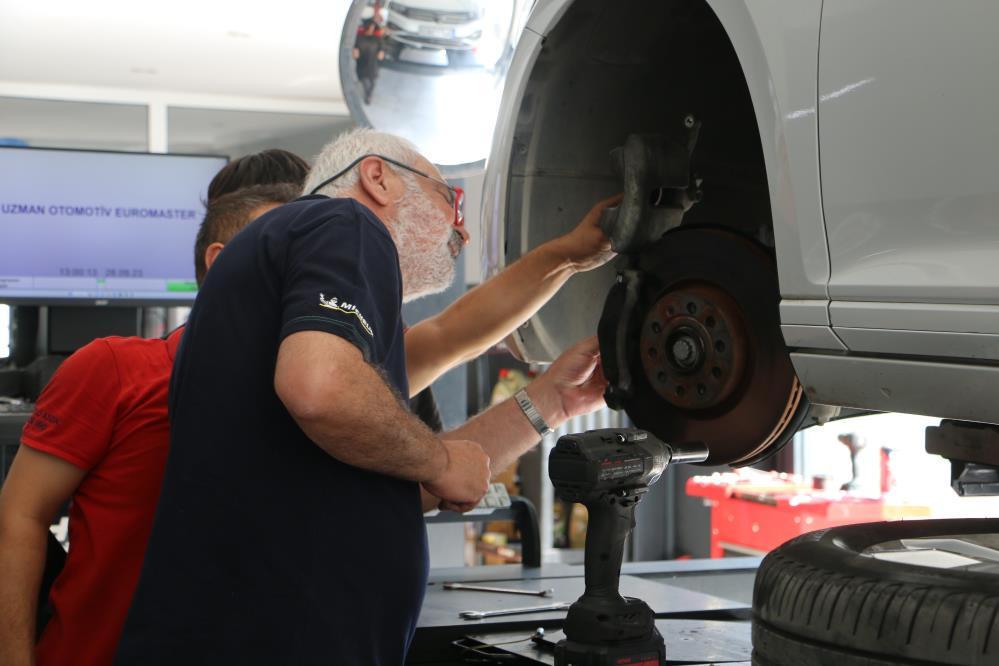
(285, 50)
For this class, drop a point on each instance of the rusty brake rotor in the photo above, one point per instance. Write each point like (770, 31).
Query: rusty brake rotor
(691, 343)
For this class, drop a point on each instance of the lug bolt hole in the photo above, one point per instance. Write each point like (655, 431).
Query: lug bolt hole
(716, 372)
(670, 311)
(656, 328)
(661, 377)
(710, 322)
(701, 389)
(720, 346)
(680, 390)
(652, 352)
(692, 308)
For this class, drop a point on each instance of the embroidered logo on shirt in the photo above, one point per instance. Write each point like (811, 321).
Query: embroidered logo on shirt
(347, 308)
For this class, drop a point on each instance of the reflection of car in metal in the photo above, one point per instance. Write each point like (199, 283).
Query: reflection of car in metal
(812, 222)
(454, 25)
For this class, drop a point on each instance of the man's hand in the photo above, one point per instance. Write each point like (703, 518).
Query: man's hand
(465, 479)
(586, 246)
(573, 385)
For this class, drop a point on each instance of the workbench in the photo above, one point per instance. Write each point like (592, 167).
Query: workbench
(702, 609)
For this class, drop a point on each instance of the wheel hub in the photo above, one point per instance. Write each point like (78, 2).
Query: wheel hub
(693, 346)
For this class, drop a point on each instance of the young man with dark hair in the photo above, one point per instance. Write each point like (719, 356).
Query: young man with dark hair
(268, 167)
(229, 213)
(98, 438)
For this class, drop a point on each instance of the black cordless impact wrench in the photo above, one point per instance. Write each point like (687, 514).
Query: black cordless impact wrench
(609, 471)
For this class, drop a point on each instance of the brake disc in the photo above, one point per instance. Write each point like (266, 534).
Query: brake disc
(691, 344)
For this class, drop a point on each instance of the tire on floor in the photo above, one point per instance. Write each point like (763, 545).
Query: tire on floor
(822, 599)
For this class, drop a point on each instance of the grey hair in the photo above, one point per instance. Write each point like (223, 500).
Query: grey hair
(346, 148)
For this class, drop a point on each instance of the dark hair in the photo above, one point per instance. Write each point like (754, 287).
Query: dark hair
(225, 216)
(267, 167)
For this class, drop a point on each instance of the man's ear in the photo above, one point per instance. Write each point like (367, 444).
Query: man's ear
(376, 181)
(212, 253)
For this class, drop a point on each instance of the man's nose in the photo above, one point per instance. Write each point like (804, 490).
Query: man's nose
(462, 232)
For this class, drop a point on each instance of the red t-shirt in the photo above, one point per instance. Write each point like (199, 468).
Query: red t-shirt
(104, 411)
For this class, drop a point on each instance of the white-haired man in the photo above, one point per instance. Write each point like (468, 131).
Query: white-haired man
(289, 528)
(487, 314)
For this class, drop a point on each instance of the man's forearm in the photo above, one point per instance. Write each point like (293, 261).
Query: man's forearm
(502, 431)
(506, 300)
(505, 433)
(485, 315)
(573, 385)
(22, 560)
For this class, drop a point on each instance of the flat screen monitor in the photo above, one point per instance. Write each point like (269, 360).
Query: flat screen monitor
(106, 228)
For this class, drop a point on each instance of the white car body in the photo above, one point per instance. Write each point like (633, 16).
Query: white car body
(877, 128)
(436, 24)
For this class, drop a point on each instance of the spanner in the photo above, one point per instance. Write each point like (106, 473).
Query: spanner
(506, 590)
(479, 615)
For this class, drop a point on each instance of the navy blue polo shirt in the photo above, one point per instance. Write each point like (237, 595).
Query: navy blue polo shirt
(265, 549)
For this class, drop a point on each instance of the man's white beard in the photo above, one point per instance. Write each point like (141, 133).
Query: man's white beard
(422, 238)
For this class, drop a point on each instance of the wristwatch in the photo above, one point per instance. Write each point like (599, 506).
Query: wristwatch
(532, 413)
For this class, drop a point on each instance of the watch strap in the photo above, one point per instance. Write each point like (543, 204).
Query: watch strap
(532, 413)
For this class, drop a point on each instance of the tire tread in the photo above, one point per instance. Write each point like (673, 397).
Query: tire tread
(853, 602)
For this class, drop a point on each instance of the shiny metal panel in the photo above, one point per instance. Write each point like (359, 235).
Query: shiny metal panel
(969, 346)
(777, 42)
(916, 316)
(810, 337)
(910, 150)
(946, 390)
(494, 213)
(808, 313)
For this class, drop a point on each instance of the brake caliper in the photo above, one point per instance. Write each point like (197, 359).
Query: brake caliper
(658, 188)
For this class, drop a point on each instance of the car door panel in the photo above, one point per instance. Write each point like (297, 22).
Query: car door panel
(909, 153)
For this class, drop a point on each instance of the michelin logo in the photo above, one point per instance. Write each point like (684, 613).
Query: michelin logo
(347, 308)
